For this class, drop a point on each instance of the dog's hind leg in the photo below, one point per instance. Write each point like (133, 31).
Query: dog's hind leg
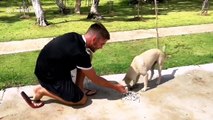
(160, 67)
(159, 73)
(145, 82)
(152, 71)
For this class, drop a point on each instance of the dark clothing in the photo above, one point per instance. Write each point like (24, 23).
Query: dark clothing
(57, 59)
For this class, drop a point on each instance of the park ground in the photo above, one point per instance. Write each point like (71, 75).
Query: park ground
(185, 93)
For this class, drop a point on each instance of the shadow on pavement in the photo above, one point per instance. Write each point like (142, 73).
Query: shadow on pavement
(152, 83)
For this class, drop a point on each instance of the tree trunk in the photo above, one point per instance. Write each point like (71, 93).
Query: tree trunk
(41, 21)
(93, 14)
(62, 7)
(205, 7)
(94, 7)
(77, 6)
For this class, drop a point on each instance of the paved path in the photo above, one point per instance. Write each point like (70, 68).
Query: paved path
(37, 44)
(184, 94)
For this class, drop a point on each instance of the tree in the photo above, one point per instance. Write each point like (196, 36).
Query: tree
(205, 7)
(94, 14)
(39, 12)
(62, 7)
(24, 7)
(137, 5)
(77, 6)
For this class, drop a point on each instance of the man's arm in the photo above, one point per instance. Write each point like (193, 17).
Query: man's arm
(91, 74)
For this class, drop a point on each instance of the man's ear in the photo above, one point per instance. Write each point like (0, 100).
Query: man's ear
(93, 38)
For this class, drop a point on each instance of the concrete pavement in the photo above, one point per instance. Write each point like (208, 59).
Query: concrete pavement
(185, 94)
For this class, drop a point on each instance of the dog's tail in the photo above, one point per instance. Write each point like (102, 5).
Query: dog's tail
(164, 51)
(164, 48)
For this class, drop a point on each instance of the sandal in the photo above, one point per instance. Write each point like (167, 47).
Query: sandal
(32, 103)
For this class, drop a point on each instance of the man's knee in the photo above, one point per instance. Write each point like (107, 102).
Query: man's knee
(39, 90)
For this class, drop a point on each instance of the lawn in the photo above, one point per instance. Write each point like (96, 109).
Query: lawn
(114, 58)
(174, 13)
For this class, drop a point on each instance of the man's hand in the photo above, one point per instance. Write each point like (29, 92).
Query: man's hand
(120, 88)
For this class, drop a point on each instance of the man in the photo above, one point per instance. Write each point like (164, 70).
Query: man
(59, 57)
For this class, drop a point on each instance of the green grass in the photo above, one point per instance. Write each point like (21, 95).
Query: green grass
(181, 50)
(114, 58)
(17, 69)
(175, 13)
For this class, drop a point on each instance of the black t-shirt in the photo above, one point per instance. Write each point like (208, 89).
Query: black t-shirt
(61, 55)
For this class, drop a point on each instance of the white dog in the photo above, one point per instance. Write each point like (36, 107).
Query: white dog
(141, 64)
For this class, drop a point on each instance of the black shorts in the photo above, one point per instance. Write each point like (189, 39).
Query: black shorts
(64, 88)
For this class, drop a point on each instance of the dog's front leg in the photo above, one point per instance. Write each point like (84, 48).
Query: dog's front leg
(135, 81)
(145, 82)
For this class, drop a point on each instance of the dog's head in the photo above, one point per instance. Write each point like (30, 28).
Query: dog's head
(130, 78)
